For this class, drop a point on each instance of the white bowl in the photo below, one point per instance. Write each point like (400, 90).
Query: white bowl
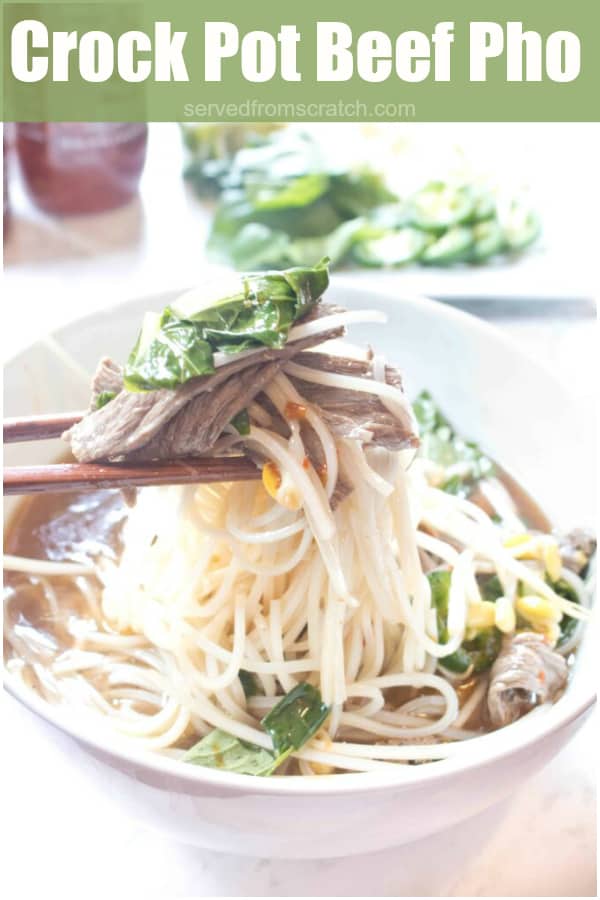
(493, 394)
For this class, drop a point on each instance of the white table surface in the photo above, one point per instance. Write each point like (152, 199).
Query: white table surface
(65, 840)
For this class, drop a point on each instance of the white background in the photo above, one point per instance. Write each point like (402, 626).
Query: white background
(64, 839)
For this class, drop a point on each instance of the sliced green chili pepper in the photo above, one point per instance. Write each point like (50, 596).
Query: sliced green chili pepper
(521, 229)
(453, 246)
(567, 624)
(476, 654)
(459, 662)
(439, 206)
(488, 240)
(484, 207)
(390, 216)
(490, 587)
(393, 249)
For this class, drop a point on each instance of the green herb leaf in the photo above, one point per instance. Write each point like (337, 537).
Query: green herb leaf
(458, 662)
(567, 624)
(104, 397)
(250, 684)
(441, 444)
(439, 582)
(297, 192)
(212, 146)
(291, 723)
(178, 344)
(356, 193)
(439, 206)
(241, 422)
(278, 193)
(484, 648)
(490, 587)
(286, 203)
(256, 246)
(477, 653)
(334, 246)
(168, 352)
(392, 248)
(296, 718)
(219, 750)
(521, 229)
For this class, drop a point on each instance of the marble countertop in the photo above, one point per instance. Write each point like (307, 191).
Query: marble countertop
(540, 842)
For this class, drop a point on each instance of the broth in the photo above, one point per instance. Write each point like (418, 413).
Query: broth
(84, 525)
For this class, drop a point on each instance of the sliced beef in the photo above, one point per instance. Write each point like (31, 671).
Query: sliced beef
(355, 414)
(108, 379)
(348, 413)
(346, 365)
(526, 673)
(577, 547)
(312, 445)
(191, 420)
(132, 420)
(197, 427)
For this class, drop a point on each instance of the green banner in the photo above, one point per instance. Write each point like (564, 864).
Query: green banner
(340, 60)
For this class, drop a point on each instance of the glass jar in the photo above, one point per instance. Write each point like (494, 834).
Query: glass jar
(81, 167)
(5, 197)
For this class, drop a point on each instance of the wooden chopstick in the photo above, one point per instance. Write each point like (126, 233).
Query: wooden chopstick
(66, 477)
(38, 428)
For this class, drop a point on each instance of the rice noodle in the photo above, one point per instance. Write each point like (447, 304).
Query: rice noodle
(44, 566)
(308, 329)
(390, 396)
(219, 580)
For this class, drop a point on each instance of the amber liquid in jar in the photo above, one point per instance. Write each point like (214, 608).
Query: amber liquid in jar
(5, 199)
(81, 167)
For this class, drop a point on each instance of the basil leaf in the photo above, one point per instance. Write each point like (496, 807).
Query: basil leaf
(356, 193)
(298, 192)
(250, 684)
(178, 344)
(291, 723)
(219, 750)
(490, 587)
(335, 246)
(442, 445)
(232, 240)
(294, 720)
(104, 397)
(428, 414)
(439, 582)
(241, 422)
(477, 653)
(256, 246)
(168, 352)
(458, 662)
(484, 648)
(283, 202)
(211, 148)
(567, 624)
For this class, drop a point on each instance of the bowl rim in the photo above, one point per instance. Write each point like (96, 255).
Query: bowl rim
(479, 752)
(498, 745)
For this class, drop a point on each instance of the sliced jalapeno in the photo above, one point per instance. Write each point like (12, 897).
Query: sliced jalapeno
(393, 249)
(488, 239)
(390, 216)
(453, 246)
(521, 228)
(459, 662)
(484, 206)
(478, 653)
(439, 206)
